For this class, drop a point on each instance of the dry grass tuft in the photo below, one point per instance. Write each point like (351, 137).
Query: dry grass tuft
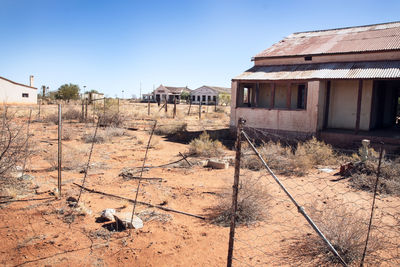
(72, 114)
(205, 147)
(71, 158)
(113, 119)
(253, 203)
(283, 160)
(344, 228)
(171, 128)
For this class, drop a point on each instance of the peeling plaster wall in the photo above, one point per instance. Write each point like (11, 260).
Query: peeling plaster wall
(304, 121)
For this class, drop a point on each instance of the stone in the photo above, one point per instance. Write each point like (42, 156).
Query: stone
(217, 164)
(124, 219)
(108, 214)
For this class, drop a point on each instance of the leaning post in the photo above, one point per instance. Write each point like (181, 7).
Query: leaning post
(238, 147)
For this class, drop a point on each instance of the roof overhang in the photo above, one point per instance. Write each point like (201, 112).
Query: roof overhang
(321, 71)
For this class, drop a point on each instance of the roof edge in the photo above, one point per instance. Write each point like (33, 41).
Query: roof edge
(344, 28)
(18, 83)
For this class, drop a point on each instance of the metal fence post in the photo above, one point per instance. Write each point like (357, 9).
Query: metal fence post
(59, 147)
(238, 147)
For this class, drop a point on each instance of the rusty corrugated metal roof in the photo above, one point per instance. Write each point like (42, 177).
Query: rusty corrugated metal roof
(379, 37)
(346, 70)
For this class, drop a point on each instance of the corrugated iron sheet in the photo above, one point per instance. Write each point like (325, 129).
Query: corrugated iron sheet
(371, 38)
(347, 70)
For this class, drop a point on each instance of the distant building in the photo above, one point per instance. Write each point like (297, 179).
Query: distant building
(209, 95)
(341, 85)
(92, 96)
(169, 93)
(16, 93)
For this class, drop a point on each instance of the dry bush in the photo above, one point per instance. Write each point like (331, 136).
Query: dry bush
(363, 176)
(318, 152)
(98, 139)
(171, 128)
(114, 132)
(253, 204)
(51, 118)
(205, 147)
(111, 119)
(71, 158)
(346, 230)
(67, 134)
(279, 158)
(72, 114)
(14, 145)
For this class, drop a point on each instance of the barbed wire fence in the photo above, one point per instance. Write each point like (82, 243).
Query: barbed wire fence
(309, 220)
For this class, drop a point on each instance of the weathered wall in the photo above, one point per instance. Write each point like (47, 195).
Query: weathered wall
(329, 58)
(280, 119)
(11, 93)
(343, 104)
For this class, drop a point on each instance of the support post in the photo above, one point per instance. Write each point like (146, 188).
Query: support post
(200, 110)
(215, 105)
(272, 99)
(59, 148)
(174, 108)
(190, 105)
(148, 107)
(327, 101)
(166, 105)
(235, 187)
(360, 86)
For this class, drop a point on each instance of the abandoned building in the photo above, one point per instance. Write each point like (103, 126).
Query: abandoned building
(169, 93)
(209, 95)
(16, 93)
(341, 85)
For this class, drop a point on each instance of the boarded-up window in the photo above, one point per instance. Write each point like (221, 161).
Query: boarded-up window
(281, 91)
(25, 95)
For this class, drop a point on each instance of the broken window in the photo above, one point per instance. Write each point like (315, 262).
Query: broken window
(209, 98)
(198, 98)
(215, 98)
(203, 98)
(246, 95)
(25, 95)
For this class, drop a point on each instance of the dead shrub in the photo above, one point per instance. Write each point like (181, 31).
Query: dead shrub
(51, 118)
(279, 158)
(344, 228)
(363, 176)
(98, 139)
(318, 152)
(111, 119)
(72, 114)
(205, 147)
(253, 203)
(170, 128)
(114, 132)
(14, 145)
(67, 134)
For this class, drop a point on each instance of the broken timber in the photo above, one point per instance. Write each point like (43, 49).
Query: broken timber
(130, 176)
(140, 202)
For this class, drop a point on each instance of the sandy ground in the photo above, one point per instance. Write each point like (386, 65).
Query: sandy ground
(48, 233)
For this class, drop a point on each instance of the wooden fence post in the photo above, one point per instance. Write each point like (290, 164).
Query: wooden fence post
(86, 109)
(166, 105)
(200, 110)
(190, 105)
(235, 192)
(148, 107)
(174, 108)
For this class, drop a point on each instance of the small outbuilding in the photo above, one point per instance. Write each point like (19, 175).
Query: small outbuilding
(342, 85)
(13, 93)
(210, 95)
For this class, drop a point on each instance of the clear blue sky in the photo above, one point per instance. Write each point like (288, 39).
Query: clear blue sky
(115, 45)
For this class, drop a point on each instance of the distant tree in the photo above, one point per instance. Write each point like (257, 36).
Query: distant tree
(185, 95)
(68, 92)
(224, 99)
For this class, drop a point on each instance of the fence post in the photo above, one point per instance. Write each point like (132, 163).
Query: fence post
(238, 147)
(215, 105)
(40, 102)
(86, 109)
(118, 105)
(190, 105)
(59, 147)
(174, 108)
(148, 107)
(83, 110)
(166, 105)
(200, 110)
(104, 110)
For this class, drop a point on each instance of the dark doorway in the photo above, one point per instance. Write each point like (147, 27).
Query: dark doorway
(385, 110)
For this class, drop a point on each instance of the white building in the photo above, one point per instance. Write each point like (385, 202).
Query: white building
(169, 93)
(208, 94)
(16, 93)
